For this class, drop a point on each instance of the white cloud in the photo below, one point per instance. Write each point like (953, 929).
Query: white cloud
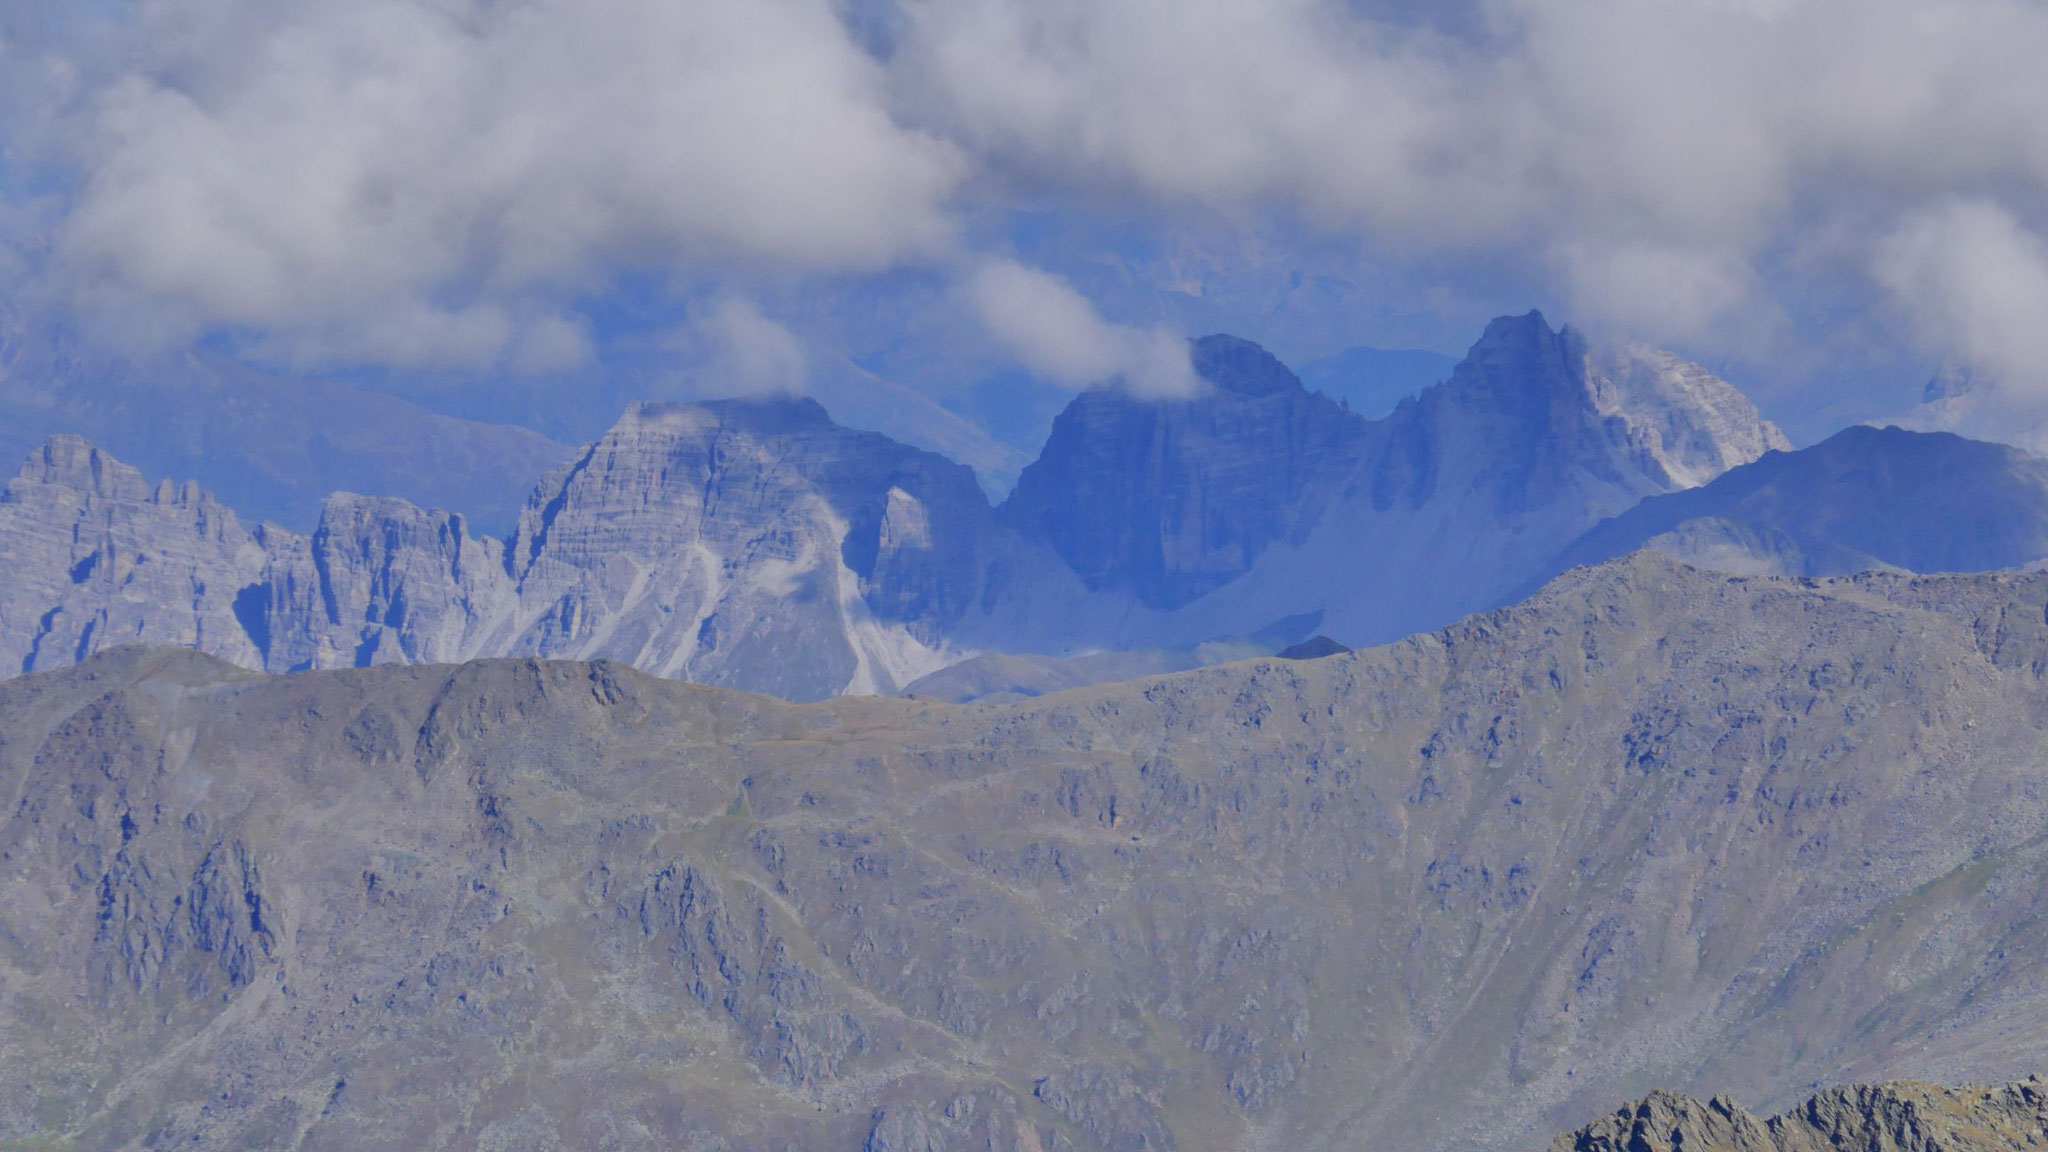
(1655, 291)
(1973, 280)
(746, 353)
(1055, 332)
(1670, 146)
(435, 167)
(421, 179)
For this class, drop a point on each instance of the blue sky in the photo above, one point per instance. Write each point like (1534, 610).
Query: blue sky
(1823, 198)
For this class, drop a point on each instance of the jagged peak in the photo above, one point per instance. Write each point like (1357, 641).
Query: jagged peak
(1510, 346)
(1527, 325)
(72, 461)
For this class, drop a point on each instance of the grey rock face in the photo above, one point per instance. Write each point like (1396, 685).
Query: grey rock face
(1906, 1117)
(1864, 498)
(1655, 826)
(381, 582)
(755, 544)
(94, 557)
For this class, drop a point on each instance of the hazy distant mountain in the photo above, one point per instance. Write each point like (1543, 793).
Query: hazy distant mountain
(269, 447)
(1371, 381)
(1655, 826)
(1864, 498)
(1222, 519)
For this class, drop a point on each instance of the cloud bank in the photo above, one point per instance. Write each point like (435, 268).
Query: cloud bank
(419, 181)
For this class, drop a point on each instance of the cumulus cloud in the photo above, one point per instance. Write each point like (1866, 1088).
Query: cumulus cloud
(1055, 332)
(418, 178)
(1644, 153)
(1973, 281)
(1655, 291)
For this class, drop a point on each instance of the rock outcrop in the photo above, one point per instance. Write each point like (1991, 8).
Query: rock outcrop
(1897, 1117)
(755, 544)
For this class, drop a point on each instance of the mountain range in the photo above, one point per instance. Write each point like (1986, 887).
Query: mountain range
(1653, 827)
(758, 544)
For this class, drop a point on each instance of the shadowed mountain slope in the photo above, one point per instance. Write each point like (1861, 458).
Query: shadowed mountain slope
(1864, 498)
(1656, 826)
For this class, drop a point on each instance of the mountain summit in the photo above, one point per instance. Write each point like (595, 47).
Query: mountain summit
(1445, 505)
(1165, 500)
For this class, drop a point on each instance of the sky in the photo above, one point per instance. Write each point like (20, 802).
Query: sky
(1822, 198)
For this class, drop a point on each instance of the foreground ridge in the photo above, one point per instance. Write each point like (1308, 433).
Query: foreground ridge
(1454, 894)
(1853, 1118)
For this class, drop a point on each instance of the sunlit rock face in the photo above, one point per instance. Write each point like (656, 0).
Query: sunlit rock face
(751, 543)
(92, 555)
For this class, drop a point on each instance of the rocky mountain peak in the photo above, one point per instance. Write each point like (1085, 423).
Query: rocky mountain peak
(73, 462)
(1167, 500)
(1682, 419)
(1544, 406)
(1863, 498)
(769, 413)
